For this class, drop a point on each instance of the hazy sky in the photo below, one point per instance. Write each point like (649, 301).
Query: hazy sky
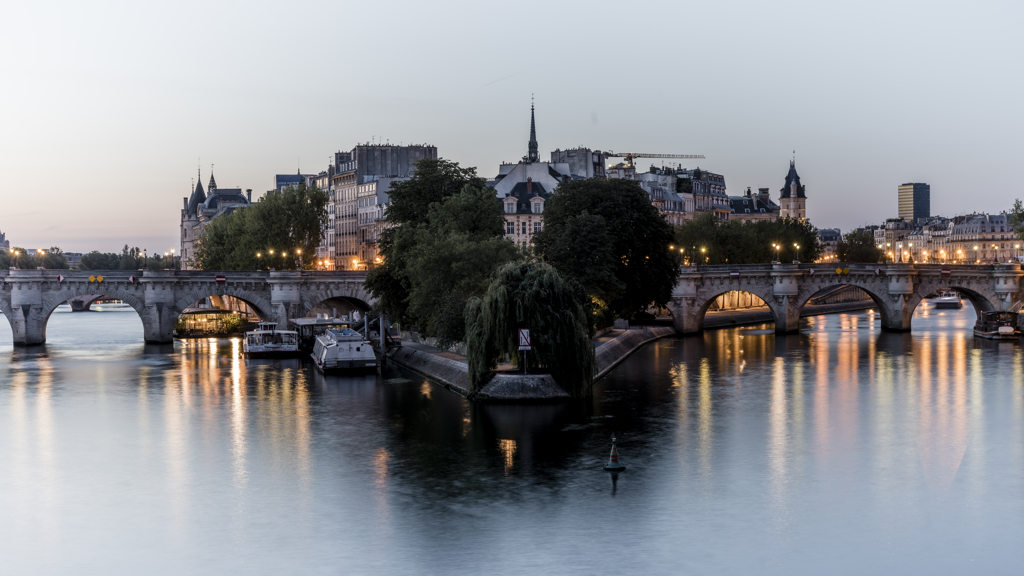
(107, 107)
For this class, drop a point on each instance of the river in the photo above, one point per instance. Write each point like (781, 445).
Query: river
(840, 450)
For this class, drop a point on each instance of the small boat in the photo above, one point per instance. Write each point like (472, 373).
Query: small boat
(267, 340)
(948, 299)
(343, 350)
(997, 326)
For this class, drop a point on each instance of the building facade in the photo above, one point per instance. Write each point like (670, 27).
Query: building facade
(983, 239)
(915, 201)
(754, 207)
(365, 164)
(201, 208)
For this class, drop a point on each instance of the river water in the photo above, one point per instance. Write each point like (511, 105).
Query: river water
(841, 450)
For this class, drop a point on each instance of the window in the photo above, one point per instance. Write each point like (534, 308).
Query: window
(523, 229)
(538, 207)
(536, 227)
(510, 208)
(510, 228)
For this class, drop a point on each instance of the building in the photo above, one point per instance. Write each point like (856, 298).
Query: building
(895, 230)
(5, 244)
(282, 181)
(583, 162)
(74, 259)
(928, 241)
(793, 199)
(371, 211)
(914, 201)
(709, 192)
(325, 251)
(983, 238)
(754, 207)
(365, 164)
(829, 239)
(201, 208)
(523, 208)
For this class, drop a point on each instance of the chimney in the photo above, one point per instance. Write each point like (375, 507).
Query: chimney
(529, 186)
(248, 194)
(186, 203)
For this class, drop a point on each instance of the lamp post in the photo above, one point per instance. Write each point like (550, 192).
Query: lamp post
(703, 252)
(995, 256)
(258, 255)
(975, 254)
(796, 256)
(271, 260)
(299, 252)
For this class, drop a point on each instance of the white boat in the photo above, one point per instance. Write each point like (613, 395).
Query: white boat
(343, 350)
(267, 340)
(948, 299)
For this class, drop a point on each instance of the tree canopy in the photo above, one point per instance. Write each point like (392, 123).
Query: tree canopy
(532, 295)
(436, 256)
(858, 246)
(52, 259)
(129, 259)
(606, 235)
(1016, 218)
(284, 221)
(707, 239)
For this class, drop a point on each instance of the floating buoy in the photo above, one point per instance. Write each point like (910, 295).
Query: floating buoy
(613, 464)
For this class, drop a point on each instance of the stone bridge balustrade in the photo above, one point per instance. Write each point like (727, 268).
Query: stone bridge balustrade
(896, 288)
(28, 297)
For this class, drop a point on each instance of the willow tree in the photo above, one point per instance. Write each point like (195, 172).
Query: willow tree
(532, 295)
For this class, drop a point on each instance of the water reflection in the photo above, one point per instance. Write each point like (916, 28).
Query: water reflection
(839, 445)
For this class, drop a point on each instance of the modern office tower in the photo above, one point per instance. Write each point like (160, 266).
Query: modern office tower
(915, 201)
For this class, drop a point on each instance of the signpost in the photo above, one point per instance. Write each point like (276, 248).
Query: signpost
(221, 279)
(524, 344)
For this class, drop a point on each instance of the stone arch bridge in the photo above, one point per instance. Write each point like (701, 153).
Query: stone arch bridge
(28, 297)
(897, 289)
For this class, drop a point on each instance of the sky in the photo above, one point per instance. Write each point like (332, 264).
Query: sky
(107, 109)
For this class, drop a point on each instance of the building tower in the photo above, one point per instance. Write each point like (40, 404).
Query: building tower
(534, 156)
(792, 200)
(915, 201)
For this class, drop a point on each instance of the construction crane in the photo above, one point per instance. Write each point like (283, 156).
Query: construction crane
(630, 156)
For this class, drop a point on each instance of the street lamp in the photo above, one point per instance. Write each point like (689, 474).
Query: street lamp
(299, 252)
(258, 255)
(271, 260)
(796, 259)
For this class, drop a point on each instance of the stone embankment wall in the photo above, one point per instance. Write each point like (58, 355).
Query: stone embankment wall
(518, 387)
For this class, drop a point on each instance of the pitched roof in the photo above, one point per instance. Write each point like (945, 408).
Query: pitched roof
(523, 199)
(792, 178)
(198, 197)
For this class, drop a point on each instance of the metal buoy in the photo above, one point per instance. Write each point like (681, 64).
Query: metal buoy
(613, 464)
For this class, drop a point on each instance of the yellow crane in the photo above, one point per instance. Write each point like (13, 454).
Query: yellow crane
(630, 156)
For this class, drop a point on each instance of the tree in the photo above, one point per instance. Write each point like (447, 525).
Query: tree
(858, 246)
(1016, 218)
(285, 221)
(96, 260)
(707, 239)
(532, 295)
(434, 181)
(638, 239)
(53, 259)
(448, 258)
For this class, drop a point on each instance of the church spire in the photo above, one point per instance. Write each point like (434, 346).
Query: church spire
(533, 156)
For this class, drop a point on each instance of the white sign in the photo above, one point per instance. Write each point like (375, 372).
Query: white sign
(59, 278)
(524, 339)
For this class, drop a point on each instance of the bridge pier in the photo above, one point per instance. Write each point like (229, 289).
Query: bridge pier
(787, 315)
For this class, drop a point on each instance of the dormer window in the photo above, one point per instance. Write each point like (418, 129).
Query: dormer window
(538, 208)
(510, 208)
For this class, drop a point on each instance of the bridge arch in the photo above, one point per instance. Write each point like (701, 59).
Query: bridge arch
(357, 296)
(814, 290)
(767, 299)
(53, 299)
